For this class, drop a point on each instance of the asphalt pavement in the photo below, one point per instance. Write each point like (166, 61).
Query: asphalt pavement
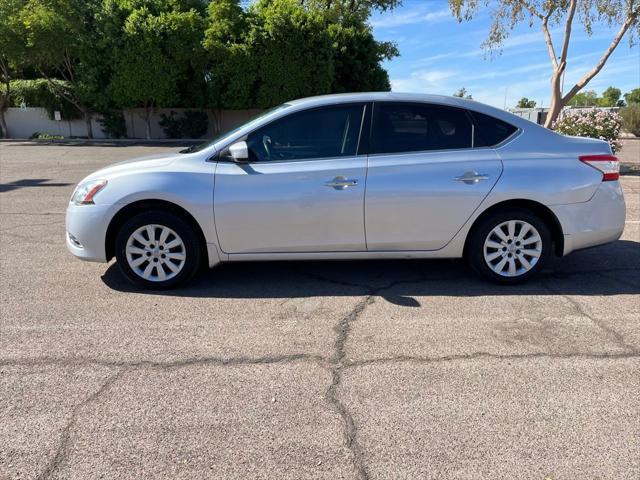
(337, 370)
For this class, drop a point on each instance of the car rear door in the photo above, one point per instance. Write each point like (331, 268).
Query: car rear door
(301, 191)
(425, 178)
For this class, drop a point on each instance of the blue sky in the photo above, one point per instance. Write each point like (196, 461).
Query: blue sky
(439, 55)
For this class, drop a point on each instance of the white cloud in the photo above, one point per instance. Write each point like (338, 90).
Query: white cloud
(490, 84)
(425, 81)
(409, 16)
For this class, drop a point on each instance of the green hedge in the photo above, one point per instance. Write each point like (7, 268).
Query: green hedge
(631, 119)
(40, 93)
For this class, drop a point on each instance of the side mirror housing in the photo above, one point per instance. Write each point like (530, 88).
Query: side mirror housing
(239, 152)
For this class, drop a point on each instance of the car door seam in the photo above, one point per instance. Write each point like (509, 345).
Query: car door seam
(213, 195)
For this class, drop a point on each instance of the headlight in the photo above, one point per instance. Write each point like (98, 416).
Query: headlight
(85, 192)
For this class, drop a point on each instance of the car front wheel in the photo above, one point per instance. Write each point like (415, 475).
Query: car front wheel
(510, 247)
(157, 250)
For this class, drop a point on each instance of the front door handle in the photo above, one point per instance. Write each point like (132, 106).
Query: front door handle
(340, 183)
(471, 177)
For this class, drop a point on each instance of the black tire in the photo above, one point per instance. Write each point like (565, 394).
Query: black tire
(192, 249)
(475, 247)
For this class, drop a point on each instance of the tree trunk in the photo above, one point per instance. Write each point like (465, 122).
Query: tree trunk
(557, 101)
(217, 120)
(88, 117)
(147, 119)
(4, 104)
(4, 131)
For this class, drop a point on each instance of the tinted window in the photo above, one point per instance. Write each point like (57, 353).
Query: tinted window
(319, 133)
(404, 127)
(490, 131)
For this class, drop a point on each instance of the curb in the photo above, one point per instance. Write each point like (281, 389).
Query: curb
(178, 142)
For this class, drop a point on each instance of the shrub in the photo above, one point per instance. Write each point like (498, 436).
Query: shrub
(598, 124)
(113, 124)
(40, 93)
(193, 124)
(45, 136)
(631, 119)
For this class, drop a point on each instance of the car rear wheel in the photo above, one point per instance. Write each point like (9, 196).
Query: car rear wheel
(157, 250)
(510, 247)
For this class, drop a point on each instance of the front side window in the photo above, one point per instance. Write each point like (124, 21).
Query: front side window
(318, 133)
(255, 119)
(411, 127)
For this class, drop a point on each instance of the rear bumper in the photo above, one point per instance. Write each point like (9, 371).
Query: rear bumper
(598, 221)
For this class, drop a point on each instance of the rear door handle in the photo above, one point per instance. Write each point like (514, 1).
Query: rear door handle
(340, 183)
(471, 177)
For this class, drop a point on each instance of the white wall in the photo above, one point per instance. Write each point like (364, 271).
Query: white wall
(23, 123)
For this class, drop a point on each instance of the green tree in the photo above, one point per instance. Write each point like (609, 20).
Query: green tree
(358, 57)
(12, 42)
(546, 14)
(611, 98)
(282, 49)
(632, 97)
(462, 93)
(588, 98)
(292, 51)
(360, 9)
(57, 31)
(524, 102)
(276, 51)
(158, 50)
(231, 73)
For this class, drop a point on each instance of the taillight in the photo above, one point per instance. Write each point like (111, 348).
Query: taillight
(607, 164)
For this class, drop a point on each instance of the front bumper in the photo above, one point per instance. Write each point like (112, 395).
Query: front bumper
(598, 221)
(86, 230)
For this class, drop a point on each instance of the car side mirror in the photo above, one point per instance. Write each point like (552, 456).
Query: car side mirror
(239, 152)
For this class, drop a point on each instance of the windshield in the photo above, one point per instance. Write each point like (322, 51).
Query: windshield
(252, 121)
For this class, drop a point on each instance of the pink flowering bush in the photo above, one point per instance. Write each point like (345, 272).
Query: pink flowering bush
(594, 124)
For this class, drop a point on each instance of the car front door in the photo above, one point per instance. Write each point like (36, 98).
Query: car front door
(424, 179)
(302, 189)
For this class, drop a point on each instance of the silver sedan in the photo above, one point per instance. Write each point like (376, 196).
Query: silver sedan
(355, 176)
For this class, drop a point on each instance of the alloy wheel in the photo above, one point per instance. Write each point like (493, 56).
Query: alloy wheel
(512, 248)
(155, 253)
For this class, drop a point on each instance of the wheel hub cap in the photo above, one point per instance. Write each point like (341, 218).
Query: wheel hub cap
(155, 253)
(512, 248)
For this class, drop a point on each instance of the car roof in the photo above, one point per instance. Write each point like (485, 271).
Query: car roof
(333, 99)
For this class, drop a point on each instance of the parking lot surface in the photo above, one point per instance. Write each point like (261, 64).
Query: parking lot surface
(385, 369)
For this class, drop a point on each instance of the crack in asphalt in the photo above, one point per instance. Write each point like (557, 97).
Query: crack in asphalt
(33, 213)
(146, 364)
(34, 239)
(490, 356)
(124, 367)
(611, 332)
(336, 364)
(65, 438)
(3, 230)
(340, 363)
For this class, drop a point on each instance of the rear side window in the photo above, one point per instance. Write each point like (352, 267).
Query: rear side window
(319, 133)
(411, 127)
(490, 131)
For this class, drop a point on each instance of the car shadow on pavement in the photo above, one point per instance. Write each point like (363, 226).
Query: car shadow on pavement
(30, 182)
(608, 270)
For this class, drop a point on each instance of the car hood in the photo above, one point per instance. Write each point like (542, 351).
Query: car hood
(135, 164)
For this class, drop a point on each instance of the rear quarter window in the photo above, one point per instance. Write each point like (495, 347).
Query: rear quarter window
(490, 131)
